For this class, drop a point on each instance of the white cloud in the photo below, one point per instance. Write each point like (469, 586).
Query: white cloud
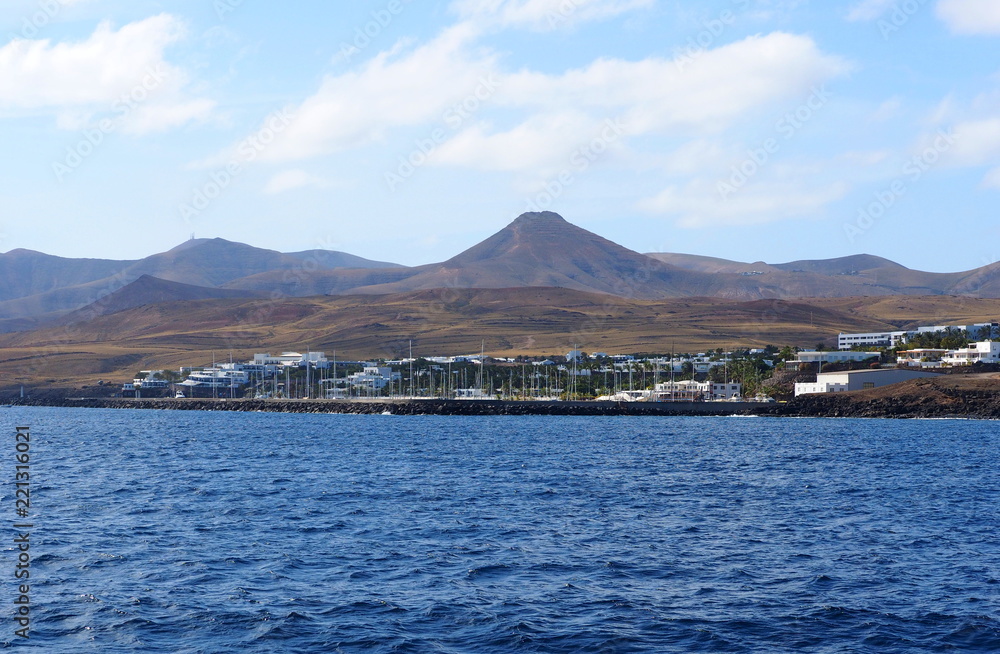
(700, 205)
(867, 159)
(290, 180)
(158, 117)
(395, 89)
(970, 16)
(869, 9)
(543, 15)
(992, 179)
(888, 109)
(122, 73)
(542, 143)
(567, 111)
(530, 122)
(976, 142)
(708, 93)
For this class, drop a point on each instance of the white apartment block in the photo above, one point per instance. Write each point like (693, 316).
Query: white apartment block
(840, 356)
(871, 339)
(984, 352)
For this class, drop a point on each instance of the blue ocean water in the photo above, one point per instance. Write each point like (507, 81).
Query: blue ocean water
(229, 532)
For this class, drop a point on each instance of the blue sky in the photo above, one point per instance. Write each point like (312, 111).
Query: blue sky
(407, 131)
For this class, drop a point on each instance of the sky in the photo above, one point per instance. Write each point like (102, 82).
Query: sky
(753, 130)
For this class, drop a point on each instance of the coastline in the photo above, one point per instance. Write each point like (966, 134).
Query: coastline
(918, 399)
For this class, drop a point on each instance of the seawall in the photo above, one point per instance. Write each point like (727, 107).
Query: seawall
(419, 406)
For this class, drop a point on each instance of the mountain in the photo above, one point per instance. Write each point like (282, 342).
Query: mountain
(214, 262)
(708, 264)
(841, 266)
(150, 290)
(332, 259)
(537, 250)
(37, 287)
(543, 249)
(860, 275)
(26, 272)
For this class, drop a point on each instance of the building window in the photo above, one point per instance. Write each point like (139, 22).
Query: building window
(867, 385)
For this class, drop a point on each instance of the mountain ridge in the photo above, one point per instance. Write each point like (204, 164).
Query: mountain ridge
(538, 249)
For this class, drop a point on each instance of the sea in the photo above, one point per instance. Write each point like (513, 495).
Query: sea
(190, 532)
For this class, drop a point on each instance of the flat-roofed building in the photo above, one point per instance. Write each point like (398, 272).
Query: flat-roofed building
(858, 380)
(836, 356)
(984, 352)
(871, 339)
(921, 357)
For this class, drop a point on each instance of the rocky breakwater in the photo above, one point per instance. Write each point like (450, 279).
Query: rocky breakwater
(412, 406)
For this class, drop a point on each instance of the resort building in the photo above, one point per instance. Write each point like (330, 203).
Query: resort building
(150, 380)
(983, 330)
(373, 378)
(269, 364)
(871, 339)
(984, 352)
(692, 390)
(812, 356)
(857, 380)
(921, 358)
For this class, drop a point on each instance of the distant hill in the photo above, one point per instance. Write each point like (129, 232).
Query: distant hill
(543, 249)
(332, 259)
(38, 287)
(532, 320)
(150, 290)
(26, 272)
(841, 266)
(537, 250)
(440, 321)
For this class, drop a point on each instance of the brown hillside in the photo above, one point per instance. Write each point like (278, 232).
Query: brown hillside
(443, 321)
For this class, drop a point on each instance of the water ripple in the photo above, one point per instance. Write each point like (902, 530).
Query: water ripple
(217, 532)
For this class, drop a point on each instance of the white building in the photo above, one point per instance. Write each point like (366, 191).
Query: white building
(984, 352)
(892, 339)
(473, 394)
(373, 377)
(857, 380)
(149, 381)
(269, 365)
(871, 339)
(690, 389)
(839, 356)
(223, 376)
(921, 357)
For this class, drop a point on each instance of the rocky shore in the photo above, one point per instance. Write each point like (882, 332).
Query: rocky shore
(948, 396)
(410, 407)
